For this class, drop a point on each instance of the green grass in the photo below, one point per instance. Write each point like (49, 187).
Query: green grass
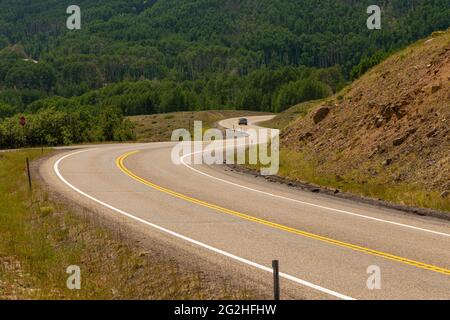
(41, 237)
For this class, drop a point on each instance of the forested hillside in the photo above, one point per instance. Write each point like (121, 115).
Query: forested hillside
(148, 56)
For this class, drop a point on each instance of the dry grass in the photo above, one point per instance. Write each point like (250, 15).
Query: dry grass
(40, 238)
(159, 127)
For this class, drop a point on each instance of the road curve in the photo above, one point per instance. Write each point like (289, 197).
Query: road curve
(325, 245)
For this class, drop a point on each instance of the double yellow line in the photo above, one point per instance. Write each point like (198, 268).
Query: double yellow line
(123, 168)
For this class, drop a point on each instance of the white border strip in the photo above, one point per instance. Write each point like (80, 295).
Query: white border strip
(203, 245)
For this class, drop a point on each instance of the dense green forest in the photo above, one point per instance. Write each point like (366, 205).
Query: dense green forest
(149, 56)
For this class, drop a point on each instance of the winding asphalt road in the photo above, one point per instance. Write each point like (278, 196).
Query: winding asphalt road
(325, 245)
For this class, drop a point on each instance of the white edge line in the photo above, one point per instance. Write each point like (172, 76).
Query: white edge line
(306, 203)
(201, 244)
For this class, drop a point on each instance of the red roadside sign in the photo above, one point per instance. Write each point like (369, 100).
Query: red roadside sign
(23, 121)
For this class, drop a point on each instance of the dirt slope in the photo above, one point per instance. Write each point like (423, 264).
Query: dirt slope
(391, 126)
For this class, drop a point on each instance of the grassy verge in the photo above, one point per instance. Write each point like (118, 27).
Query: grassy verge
(159, 127)
(40, 238)
(302, 166)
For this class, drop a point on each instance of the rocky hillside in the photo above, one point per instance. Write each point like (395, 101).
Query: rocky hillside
(390, 126)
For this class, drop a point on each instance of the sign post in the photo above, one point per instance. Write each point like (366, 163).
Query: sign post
(23, 122)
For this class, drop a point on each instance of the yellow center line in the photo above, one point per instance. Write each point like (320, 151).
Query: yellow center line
(120, 163)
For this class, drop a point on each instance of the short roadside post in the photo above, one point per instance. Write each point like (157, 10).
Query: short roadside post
(276, 279)
(29, 174)
(23, 122)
